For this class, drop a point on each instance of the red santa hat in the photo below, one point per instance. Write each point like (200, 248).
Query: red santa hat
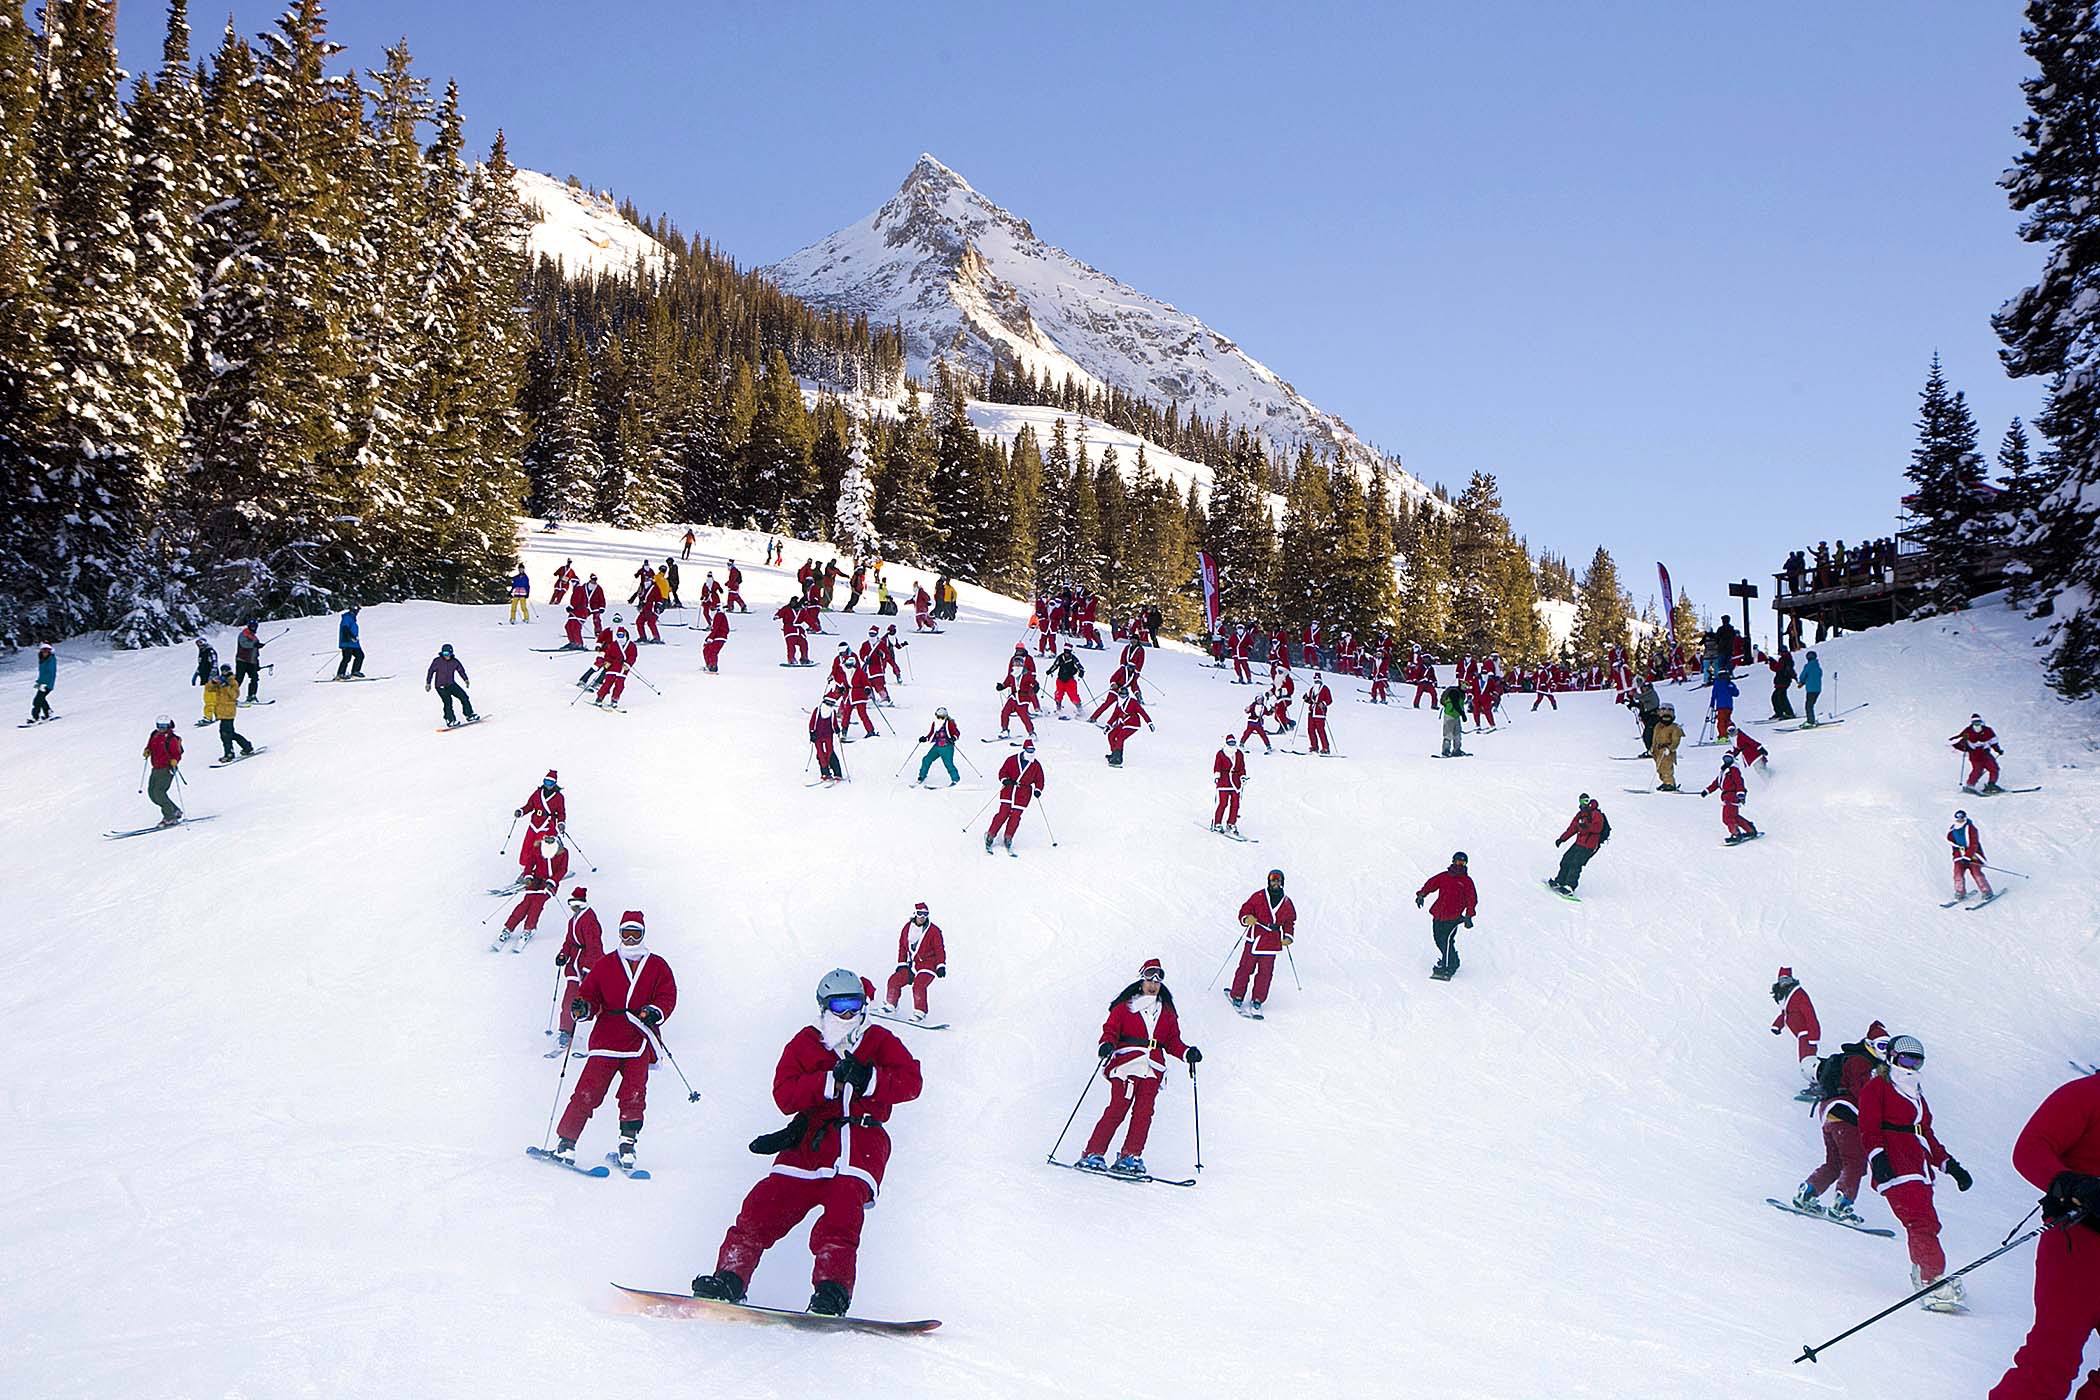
(1153, 968)
(919, 908)
(1785, 972)
(1877, 1031)
(632, 919)
(580, 894)
(552, 776)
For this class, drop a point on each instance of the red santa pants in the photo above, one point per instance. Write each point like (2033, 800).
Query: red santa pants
(2066, 1314)
(1378, 690)
(857, 708)
(1309, 655)
(1911, 1202)
(1228, 811)
(1119, 736)
(1067, 690)
(1423, 688)
(736, 600)
(1045, 642)
(778, 1204)
(1007, 820)
(1544, 697)
(1983, 768)
(1723, 719)
(569, 985)
(1964, 868)
(1090, 635)
(575, 631)
(1241, 671)
(1260, 967)
(710, 654)
(527, 912)
(1014, 707)
(1316, 736)
(597, 1077)
(1126, 1096)
(1732, 818)
(614, 684)
(1483, 711)
(1254, 729)
(922, 622)
(1843, 1159)
(797, 648)
(918, 982)
(561, 589)
(645, 626)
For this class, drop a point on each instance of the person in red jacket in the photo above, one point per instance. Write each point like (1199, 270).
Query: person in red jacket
(627, 997)
(922, 955)
(645, 627)
(1123, 722)
(582, 944)
(1844, 1161)
(735, 579)
(2059, 1153)
(1019, 686)
(1140, 1032)
(594, 602)
(840, 1078)
(543, 876)
(579, 614)
(1797, 1014)
(1270, 922)
(1750, 753)
(1229, 772)
(1904, 1156)
(1980, 742)
(717, 634)
(1423, 673)
(545, 808)
(1258, 722)
(1544, 682)
(791, 635)
(1589, 828)
(823, 735)
(563, 577)
(1481, 693)
(1965, 841)
(615, 660)
(1456, 903)
(1020, 782)
(1729, 783)
(1242, 649)
(1317, 698)
(857, 700)
(164, 751)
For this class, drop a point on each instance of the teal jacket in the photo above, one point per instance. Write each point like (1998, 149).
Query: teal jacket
(1812, 674)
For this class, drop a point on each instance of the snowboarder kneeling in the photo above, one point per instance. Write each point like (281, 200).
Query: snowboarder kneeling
(1140, 1032)
(840, 1077)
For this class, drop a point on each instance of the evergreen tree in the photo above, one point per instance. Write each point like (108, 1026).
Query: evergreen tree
(831, 458)
(1113, 508)
(1422, 610)
(853, 524)
(1685, 619)
(1087, 554)
(1524, 639)
(1241, 538)
(1057, 534)
(2019, 507)
(569, 462)
(1602, 610)
(1479, 540)
(30, 605)
(904, 500)
(961, 495)
(1305, 556)
(1024, 503)
(634, 492)
(1949, 517)
(777, 464)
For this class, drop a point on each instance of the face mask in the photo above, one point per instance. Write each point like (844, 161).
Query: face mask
(841, 1031)
(1904, 1079)
(633, 952)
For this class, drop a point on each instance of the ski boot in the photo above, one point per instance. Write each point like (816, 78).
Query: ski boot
(1841, 1211)
(625, 1155)
(1254, 1009)
(1092, 1162)
(722, 1285)
(1115, 760)
(565, 1152)
(987, 843)
(1007, 845)
(1237, 1002)
(562, 1042)
(1129, 1165)
(830, 1300)
(1805, 1201)
(1991, 790)
(175, 820)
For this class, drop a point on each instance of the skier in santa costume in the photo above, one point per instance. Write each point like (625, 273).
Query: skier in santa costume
(1729, 783)
(1797, 1017)
(1456, 903)
(594, 601)
(1129, 714)
(549, 867)
(717, 635)
(857, 699)
(1979, 741)
(922, 955)
(626, 997)
(1229, 772)
(841, 1078)
(1965, 840)
(545, 808)
(1543, 684)
(614, 662)
(1271, 923)
(579, 614)
(582, 944)
(1317, 698)
(1020, 782)
(1139, 1034)
(1844, 1161)
(1019, 686)
(823, 734)
(1423, 674)
(1258, 724)
(1904, 1156)
(791, 634)
(2059, 1152)
(1119, 680)
(736, 589)
(1242, 648)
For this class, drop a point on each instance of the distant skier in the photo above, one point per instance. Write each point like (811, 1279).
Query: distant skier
(164, 752)
(823, 737)
(1452, 707)
(1965, 841)
(1142, 1029)
(1020, 783)
(1663, 743)
(1729, 783)
(840, 1078)
(1258, 723)
(717, 637)
(207, 663)
(1980, 743)
(520, 596)
(579, 616)
(1422, 671)
(1904, 1155)
(46, 681)
(1123, 723)
(626, 997)
(1812, 689)
(564, 579)
(939, 739)
(685, 546)
(582, 944)
(1797, 1016)
(922, 956)
(735, 598)
(451, 682)
(1589, 828)
(2059, 1153)
(1229, 774)
(1317, 700)
(1270, 922)
(222, 703)
(346, 642)
(1066, 671)
(1456, 903)
(1840, 1080)
(594, 600)
(1242, 649)
(247, 657)
(1782, 667)
(1724, 698)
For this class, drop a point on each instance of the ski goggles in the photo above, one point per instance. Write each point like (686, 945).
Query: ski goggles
(846, 1006)
(1908, 1059)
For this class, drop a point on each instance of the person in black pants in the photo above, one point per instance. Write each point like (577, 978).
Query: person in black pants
(449, 678)
(247, 658)
(353, 662)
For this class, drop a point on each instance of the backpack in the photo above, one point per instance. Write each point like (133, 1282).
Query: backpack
(1604, 834)
(1830, 1075)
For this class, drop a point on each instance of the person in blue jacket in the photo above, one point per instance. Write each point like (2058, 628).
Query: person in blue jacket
(1724, 703)
(1812, 683)
(46, 678)
(352, 665)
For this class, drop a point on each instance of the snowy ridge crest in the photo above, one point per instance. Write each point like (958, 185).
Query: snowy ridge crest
(583, 230)
(970, 281)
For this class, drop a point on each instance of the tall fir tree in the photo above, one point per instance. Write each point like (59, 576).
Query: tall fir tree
(1241, 538)
(853, 523)
(1024, 496)
(1949, 513)
(1479, 540)
(1602, 610)
(904, 514)
(2019, 506)
(777, 465)
(571, 462)
(30, 605)
(1057, 531)
(1305, 555)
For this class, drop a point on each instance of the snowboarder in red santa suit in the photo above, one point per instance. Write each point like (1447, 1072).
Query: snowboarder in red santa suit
(1018, 686)
(2059, 1152)
(1258, 722)
(1797, 1017)
(1229, 772)
(922, 610)
(1979, 742)
(1139, 1034)
(1730, 785)
(579, 614)
(840, 1078)
(1317, 699)
(922, 955)
(546, 808)
(791, 633)
(1844, 1161)
(582, 944)
(626, 996)
(809, 616)
(1965, 840)
(717, 635)
(1749, 752)
(615, 661)
(710, 597)
(1129, 714)
(1271, 922)
(550, 866)
(1020, 782)
(1903, 1158)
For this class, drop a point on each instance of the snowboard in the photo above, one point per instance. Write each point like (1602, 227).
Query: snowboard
(679, 1305)
(1450, 755)
(612, 1159)
(157, 826)
(33, 723)
(1788, 1207)
(463, 724)
(1112, 1176)
(1564, 894)
(340, 680)
(1663, 792)
(229, 762)
(1742, 840)
(1230, 835)
(908, 1021)
(542, 1154)
(1438, 974)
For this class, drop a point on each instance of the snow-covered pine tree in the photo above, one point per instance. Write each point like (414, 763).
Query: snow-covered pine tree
(1422, 610)
(830, 457)
(777, 470)
(1015, 569)
(960, 498)
(1242, 533)
(634, 490)
(570, 461)
(28, 608)
(1602, 610)
(1306, 589)
(1114, 508)
(904, 494)
(853, 525)
(1086, 519)
(1949, 513)
(1479, 540)
(1057, 537)
(2019, 504)
(495, 343)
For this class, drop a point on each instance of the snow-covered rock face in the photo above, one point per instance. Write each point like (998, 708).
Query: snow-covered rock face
(970, 281)
(581, 229)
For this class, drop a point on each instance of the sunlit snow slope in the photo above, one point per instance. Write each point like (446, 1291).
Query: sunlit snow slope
(261, 1131)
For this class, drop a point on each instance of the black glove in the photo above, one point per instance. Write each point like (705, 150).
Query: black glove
(1194, 1056)
(1469, 921)
(1418, 901)
(651, 1017)
(579, 1009)
(561, 959)
(854, 1072)
(519, 813)
(1879, 1169)
(1776, 1030)
(2075, 1191)
(940, 972)
(1104, 1050)
(1960, 1174)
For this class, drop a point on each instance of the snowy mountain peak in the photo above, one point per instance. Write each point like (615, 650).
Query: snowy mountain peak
(970, 281)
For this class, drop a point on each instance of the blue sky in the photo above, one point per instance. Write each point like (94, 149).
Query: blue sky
(1672, 272)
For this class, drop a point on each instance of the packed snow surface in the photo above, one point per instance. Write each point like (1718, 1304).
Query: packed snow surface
(269, 1089)
(582, 230)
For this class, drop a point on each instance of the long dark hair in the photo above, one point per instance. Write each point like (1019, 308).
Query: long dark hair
(1166, 998)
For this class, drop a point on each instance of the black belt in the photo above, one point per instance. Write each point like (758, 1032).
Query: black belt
(1910, 1128)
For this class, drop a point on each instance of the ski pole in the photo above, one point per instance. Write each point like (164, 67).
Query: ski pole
(556, 1001)
(579, 850)
(886, 722)
(1294, 965)
(507, 835)
(495, 911)
(637, 675)
(2003, 871)
(978, 813)
(692, 1095)
(966, 758)
(806, 757)
(1044, 813)
(907, 759)
(559, 1083)
(1809, 1353)
(144, 765)
(1196, 1103)
(1051, 1155)
(1237, 939)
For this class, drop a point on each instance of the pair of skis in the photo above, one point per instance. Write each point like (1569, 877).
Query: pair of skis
(158, 826)
(602, 1169)
(1993, 897)
(1131, 1178)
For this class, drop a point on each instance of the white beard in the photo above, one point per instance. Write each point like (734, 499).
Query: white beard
(841, 1033)
(635, 952)
(1906, 1082)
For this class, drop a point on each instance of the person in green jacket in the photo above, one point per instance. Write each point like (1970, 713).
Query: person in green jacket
(1452, 707)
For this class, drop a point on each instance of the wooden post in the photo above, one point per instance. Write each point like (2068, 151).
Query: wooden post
(1745, 590)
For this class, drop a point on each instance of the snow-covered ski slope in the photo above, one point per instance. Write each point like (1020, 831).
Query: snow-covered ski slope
(261, 1131)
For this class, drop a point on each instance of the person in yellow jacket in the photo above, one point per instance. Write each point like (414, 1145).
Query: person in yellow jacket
(663, 586)
(222, 699)
(1662, 746)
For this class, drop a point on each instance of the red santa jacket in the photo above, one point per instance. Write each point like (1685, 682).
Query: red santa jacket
(1317, 700)
(1258, 713)
(1129, 713)
(1797, 1016)
(1976, 736)
(1273, 922)
(1242, 645)
(1746, 748)
(579, 603)
(1857, 1068)
(540, 810)
(1586, 827)
(594, 595)
(1229, 770)
(1731, 785)
(581, 945)
(920, 601)
(536, 865)
(718, 629)
(2062, 1136)
(839, 1129)
(931, 954)
(617, 992)
(1133, 656)
(1020, 783)
(1455, 896)
(790, 621)
(1900, 1128)
(616, 656)
(736, 578)
(1965, 840)
(1136, 1050)
(164, 747)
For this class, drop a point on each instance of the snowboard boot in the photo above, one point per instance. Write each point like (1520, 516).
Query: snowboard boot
(1093, 1162)
(1254, 1009)
(918, 1018)
(565, 1152)
(1806, 1202)
(1115, 760)
(830, 1300)
(1232, 830)
(1841, 1210)
(1007, 845)
(722, 1286)
(1129, 1165)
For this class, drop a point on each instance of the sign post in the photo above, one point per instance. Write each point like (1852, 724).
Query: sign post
(1746, 590)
